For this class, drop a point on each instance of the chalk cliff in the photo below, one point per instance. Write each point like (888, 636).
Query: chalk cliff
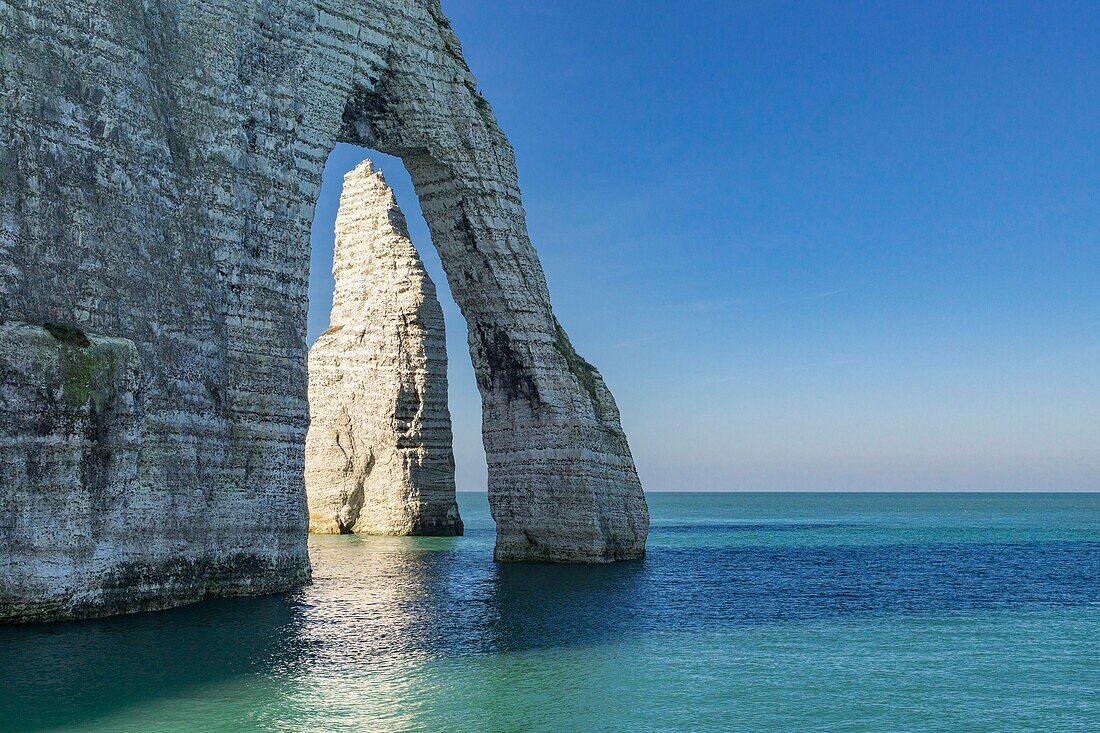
(159, 166)
(378, 449)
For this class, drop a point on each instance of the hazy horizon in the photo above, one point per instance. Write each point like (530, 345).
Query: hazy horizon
(843, 248)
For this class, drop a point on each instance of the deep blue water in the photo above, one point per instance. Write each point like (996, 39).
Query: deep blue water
(754, 612)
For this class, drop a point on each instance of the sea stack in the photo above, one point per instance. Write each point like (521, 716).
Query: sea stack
(378, 450)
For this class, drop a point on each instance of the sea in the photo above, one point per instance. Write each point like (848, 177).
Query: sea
(750, 612)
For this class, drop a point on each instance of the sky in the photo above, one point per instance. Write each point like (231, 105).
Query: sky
(844, 246)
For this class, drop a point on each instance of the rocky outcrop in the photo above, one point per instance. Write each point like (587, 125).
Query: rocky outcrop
(378, 450)
(70, 443)
(159, 166)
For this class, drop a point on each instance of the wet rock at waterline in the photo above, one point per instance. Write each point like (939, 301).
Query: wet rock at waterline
(378, 450)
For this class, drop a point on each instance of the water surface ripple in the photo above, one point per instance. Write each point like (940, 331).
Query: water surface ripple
(754, 612)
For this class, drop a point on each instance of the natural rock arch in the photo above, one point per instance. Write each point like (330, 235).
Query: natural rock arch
(160, 162)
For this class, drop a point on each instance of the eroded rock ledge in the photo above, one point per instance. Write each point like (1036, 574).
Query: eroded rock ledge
(378, 450)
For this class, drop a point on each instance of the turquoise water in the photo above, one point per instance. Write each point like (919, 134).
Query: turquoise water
(753, 612)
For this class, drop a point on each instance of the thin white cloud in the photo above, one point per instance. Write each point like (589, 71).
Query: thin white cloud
(827, 294)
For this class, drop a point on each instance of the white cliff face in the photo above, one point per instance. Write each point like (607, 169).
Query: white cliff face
(378, 450)
(88, 409)
(159, 168)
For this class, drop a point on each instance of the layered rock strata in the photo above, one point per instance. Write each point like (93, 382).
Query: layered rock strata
(71, 449)
(159, 166)
(378, 449)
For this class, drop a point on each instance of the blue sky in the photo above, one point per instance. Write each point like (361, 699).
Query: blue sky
(810, 246)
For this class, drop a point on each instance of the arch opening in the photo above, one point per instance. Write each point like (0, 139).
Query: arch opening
(154, 266)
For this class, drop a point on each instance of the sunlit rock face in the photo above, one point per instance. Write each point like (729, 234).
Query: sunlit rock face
(159, 167)
(378, 450)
